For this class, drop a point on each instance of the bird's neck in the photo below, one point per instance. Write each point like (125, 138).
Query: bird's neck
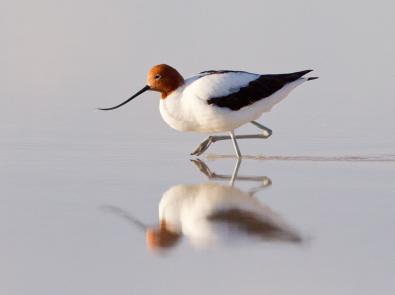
(176, 81)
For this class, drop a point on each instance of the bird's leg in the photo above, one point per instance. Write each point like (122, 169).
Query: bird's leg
(266, 131)
(214, 176)
(235, 145)
(236, 169)
(206, 170)
(265, 183)
(204, 145)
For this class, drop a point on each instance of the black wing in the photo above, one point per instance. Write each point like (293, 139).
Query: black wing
(254, 225)
(263, 86)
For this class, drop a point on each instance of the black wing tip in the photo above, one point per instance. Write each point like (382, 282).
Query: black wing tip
(302, 73)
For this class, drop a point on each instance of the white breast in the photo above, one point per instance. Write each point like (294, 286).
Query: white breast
(176, 111)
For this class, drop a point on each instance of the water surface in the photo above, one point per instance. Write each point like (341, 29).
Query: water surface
(312, 211)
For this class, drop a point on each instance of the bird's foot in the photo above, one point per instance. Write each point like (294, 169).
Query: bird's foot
(266, 181)
(267, 133)
(203, 168)
(203, 146)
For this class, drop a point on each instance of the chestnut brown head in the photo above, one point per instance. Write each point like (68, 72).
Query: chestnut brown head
(162, 78)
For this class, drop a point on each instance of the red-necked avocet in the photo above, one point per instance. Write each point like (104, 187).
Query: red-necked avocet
(217, 101)
(210, 214)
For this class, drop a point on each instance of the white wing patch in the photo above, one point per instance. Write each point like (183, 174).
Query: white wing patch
(217, 85)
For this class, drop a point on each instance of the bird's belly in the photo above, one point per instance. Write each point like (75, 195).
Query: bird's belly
(206, 118)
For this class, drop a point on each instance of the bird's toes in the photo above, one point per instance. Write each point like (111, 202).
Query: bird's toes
(197, 152)
(266, 181)
(203, 168)
(267, 133)
(202, 147)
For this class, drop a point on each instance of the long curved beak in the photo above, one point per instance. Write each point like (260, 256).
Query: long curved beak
(146, 87)
(126, 215)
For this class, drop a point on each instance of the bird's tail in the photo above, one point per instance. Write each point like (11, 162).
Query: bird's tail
(302, 73)
(295, 76)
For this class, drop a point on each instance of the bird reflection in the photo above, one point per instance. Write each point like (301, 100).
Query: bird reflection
(211, 213)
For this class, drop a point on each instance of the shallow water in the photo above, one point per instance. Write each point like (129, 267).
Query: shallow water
(58, 236)
(311, 210)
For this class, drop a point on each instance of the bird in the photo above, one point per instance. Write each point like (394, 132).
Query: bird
(210, 214)
(217, 101)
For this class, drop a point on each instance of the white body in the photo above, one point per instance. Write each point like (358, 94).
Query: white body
(186, 109)
(186, 209)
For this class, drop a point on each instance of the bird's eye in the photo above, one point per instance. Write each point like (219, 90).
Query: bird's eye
(157, 77)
